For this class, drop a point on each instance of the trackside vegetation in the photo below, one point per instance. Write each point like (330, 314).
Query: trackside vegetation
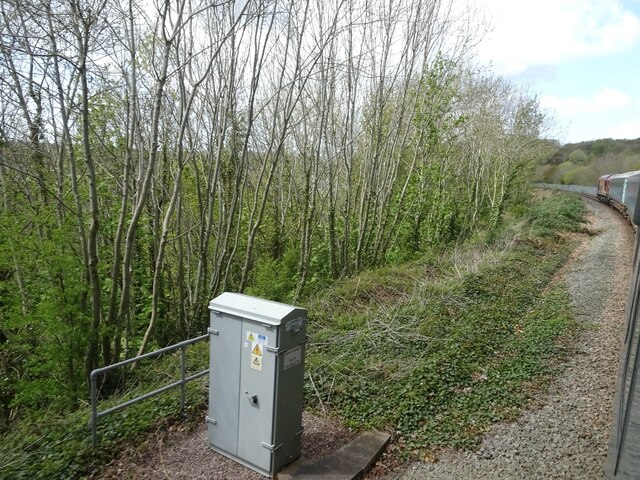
(435, 349)
(441, 348)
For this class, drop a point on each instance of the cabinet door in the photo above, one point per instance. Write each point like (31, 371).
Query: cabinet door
(224, 371)
(257, 366)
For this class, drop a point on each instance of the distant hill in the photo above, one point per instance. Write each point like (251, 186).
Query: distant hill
(582, 163)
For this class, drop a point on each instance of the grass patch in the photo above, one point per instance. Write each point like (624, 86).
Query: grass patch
(447, 350)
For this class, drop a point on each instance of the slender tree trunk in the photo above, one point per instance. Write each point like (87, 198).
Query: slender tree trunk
(82, 31)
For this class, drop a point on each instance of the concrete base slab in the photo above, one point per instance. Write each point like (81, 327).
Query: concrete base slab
(348, 463)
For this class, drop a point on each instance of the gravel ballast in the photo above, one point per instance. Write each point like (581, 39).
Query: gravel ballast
(566, 435)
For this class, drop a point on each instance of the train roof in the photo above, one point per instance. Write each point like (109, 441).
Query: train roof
(624, 175)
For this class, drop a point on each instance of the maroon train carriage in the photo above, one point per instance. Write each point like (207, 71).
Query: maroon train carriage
(603, 188)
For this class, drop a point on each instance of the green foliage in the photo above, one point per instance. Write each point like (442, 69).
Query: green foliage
(276, 279)
(581, 175)
(438, 354)
(595, 148)
(583, 163)
(43, 316)
(320, 268)
(557, 212)
(578, 157)
(59, 446)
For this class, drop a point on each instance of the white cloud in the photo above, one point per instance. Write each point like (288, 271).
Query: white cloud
(605, 100)
(628, 129)
(547, 32)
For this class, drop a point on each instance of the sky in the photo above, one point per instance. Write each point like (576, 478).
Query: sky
(581, 57)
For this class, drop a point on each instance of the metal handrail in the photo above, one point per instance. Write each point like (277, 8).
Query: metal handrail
(95, 414)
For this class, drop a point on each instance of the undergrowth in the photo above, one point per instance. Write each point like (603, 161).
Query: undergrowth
(51, 446)
(436, 351)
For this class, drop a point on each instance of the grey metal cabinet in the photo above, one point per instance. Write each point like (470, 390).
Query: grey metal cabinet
(256, 380)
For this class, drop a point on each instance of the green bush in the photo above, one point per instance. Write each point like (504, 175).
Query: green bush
(558, 212)
(276, 279)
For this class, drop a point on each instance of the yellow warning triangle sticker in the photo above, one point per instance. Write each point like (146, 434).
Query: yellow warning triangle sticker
(256, 361)
(256, 350)
(250, 337)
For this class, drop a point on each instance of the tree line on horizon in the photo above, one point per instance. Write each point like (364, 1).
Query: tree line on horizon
(583, 163)
(155, 154)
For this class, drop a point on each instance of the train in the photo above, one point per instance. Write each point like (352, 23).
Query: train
(620, 190)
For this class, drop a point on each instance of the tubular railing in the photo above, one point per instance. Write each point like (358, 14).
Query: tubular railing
(95, 414)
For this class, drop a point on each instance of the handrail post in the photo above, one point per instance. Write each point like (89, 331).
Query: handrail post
(94, 411)
(183, 372)
(95, 415)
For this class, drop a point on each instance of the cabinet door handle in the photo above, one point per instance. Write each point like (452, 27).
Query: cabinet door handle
(253, 398)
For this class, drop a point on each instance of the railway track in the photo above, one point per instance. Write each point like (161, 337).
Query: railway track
(623, 459)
